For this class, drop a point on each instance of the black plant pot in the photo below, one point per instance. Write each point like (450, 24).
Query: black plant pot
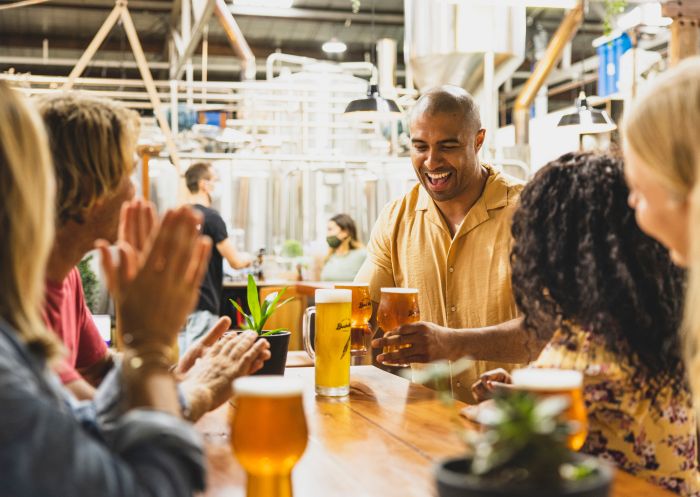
(279, 344)
(453, 481)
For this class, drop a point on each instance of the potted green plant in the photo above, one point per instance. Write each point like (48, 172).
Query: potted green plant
(255, 320)
(519, 451)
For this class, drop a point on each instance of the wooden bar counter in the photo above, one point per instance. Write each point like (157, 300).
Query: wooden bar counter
(381, 441)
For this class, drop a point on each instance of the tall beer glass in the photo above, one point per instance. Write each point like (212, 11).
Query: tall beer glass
(331, 350)
(268, 432)
(360, 333)
(397, 306)
(549, 382)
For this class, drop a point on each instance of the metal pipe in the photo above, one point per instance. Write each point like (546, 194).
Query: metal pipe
(386, 65)
(205, 60)
(236, 39)
(283, 57)
(363, 66)
(564, 34)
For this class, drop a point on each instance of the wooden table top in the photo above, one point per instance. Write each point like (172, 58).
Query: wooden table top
(381, 441)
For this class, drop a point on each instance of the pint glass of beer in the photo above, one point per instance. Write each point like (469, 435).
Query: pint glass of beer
(268, 432)
(331, 351)
(360, 333)
(397, 306)
(564, 382)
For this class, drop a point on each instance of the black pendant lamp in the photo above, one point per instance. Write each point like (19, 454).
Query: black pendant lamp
(588, 119)
(373, 107)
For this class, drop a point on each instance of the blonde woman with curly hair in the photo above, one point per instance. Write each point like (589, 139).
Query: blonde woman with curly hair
(662, 152)
(131, 441)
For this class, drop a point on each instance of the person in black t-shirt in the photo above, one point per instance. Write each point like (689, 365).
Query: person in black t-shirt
(201, 181)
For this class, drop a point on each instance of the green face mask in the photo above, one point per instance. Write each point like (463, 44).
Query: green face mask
(333, 242)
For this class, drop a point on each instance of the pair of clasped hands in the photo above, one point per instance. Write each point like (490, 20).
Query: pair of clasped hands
(155, 285)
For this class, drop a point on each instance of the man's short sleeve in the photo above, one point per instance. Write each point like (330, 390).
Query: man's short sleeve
(66, 372)
(215, 227)
(377, 269)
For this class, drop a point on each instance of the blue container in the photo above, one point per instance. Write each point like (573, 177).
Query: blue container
(213, 117)
(620, 46)
(609, 55)
(602, 70)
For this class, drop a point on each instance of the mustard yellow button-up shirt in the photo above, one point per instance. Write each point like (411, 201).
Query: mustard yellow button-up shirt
(462, 282)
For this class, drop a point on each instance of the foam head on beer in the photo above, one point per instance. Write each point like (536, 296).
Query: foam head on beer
(332, 296)
(542, 380)
(267, 386)
(399, 290)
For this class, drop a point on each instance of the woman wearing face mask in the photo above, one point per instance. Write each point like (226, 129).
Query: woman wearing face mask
(346, 253)
(662, 153)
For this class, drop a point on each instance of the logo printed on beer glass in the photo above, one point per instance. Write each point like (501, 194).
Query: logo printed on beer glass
(345, 323)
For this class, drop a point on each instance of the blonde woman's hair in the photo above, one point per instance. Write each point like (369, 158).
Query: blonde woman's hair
(27, 191)
(92, 143)
(662, 129)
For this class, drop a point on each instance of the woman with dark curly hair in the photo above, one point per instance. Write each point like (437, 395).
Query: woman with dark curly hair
(608, 300)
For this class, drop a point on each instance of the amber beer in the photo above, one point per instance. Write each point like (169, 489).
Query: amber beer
(268, 432)
(331, 350)
(360, 333)
(565, 382)
(397, 306)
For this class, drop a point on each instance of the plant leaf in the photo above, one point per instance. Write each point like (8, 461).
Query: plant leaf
(273, 307)
(250, 325)
(238, 308)
(268, 305)
(253, 301)
(274, 332)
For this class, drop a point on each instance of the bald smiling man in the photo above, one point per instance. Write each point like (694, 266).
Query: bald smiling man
(449, 237)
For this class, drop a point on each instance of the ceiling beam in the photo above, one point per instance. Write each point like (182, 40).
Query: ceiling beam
(392, 18)
(218, 46)
(328, 15)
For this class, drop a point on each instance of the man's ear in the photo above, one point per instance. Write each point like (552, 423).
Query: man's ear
(479, 139)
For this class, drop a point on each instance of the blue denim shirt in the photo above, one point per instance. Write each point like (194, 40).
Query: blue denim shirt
(53, 445)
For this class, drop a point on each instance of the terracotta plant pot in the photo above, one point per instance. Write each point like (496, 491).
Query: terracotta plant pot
(453, 481)
(279, 344)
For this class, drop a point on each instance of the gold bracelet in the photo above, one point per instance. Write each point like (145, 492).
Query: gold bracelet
(148, 357)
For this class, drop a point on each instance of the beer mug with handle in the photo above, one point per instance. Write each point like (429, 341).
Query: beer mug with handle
(331, 350)
(268, 432)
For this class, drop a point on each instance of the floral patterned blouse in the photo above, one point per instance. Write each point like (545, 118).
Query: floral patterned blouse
(653, 438)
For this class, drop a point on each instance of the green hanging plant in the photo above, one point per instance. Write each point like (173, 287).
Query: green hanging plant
(355, 6)
(90, 284)
(613, 8)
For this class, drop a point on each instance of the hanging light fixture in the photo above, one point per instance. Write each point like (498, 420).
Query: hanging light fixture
(373, 107)
(334, 45)
(588, 119)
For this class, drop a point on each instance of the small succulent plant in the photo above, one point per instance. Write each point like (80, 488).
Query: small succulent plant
(522, 437)
(260, 312)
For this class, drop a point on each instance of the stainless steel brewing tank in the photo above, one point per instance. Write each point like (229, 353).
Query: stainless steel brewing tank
(445, 41)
